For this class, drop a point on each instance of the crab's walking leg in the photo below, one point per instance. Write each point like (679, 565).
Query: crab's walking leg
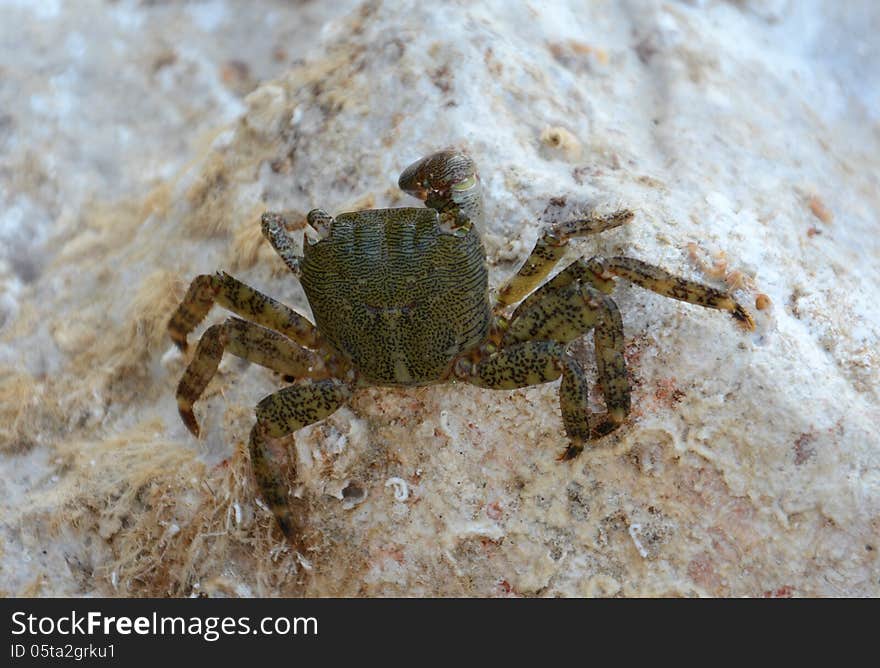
(611, 366)
(520, 365)
(563, 313)
(550, 248)
(580, 424)
(560, 315)
(574, 401)
(279, 415)
(248, 341)
(669, 285)
(534, 362)
(242, 300)
(578, 271)
(601, 274)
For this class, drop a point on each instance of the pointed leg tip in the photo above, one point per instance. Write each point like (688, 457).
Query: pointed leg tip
(571, 452)
(744, 318)
(287, 528)
(189, 419)
(624, 216)
(605, 426)
(291, 525)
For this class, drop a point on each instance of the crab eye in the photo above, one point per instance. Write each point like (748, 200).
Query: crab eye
(467, 184)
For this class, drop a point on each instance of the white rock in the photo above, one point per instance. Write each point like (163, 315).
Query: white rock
(750, 463)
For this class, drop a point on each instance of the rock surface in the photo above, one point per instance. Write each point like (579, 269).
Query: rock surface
(745, 135)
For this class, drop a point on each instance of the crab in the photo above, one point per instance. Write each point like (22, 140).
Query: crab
(400, 297)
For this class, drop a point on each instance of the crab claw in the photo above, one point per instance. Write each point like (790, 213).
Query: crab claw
(439, 176)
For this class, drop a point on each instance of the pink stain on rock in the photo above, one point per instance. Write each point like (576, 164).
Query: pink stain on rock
(701, 571)
(803, 448)
(494, 510)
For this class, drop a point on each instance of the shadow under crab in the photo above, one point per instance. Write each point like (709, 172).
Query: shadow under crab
(400, 298)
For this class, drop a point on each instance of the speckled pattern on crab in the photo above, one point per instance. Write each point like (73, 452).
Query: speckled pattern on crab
(397, 294)
(400, 297)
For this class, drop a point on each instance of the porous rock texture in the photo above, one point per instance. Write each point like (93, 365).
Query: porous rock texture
(744, 134)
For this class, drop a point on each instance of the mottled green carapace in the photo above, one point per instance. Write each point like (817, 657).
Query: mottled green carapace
(400, 296)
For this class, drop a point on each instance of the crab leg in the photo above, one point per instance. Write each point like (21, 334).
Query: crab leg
(246, 340)
(669, 285)
(577, 271)
(519, 365)
(550, 248)
(242, 300)
(561, 314)
(580, 424)
(534, 362)
(279, 415)
(574, 398)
